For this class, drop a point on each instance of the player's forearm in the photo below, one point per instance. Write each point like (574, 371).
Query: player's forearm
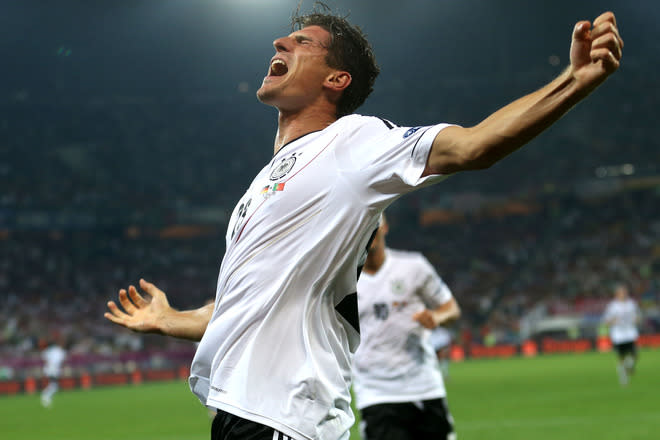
(446, 313)
(187, 324)
(506, 130)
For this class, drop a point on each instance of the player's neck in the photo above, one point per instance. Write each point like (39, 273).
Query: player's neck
(375, 260)
(293, 125)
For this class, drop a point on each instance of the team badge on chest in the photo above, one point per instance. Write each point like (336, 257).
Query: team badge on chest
(397, 287)
(283, 167)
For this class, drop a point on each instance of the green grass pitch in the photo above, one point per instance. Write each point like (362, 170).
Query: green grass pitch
(551, 397)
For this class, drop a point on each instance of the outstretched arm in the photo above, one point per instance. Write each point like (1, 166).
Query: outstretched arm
(443, 314)
(155, 315)
(595, 54)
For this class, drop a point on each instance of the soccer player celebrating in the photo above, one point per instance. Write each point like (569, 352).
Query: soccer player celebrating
(622, 316)
(276, 345)
(398, 386)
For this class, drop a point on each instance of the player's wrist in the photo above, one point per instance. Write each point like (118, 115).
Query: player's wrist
(437, 318)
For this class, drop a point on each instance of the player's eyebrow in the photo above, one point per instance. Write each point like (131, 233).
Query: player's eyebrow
(300, 37)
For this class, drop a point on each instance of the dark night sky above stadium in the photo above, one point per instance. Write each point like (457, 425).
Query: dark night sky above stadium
(175, 46)
(442, 61)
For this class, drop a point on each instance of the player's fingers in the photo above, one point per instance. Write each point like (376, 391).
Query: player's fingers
(608, 42)
(607, 28)
(137, 299)
(607, 36)
(125, 302)
(609, 61)
(606, 23)
(116, 311)
(113, 318)
(423, 318)
(151, 288)
(581, 31)
(605, 17)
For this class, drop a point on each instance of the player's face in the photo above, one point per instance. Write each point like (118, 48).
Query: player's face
(298, 70)
(621, 293)
(379, 239)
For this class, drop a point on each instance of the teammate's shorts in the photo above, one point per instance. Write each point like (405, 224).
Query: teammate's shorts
(626, 348)
(428, 419)
(227, 426)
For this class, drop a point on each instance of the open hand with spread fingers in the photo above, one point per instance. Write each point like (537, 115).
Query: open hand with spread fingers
(140, 313)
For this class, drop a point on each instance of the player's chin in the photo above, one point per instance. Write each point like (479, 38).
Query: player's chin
(266, 94)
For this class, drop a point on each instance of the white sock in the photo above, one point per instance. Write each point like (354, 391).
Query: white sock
(629, 363)
(623, 374)
(49, 391)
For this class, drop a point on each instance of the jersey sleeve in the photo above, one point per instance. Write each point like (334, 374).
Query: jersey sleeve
(389, 160)
(433, 290)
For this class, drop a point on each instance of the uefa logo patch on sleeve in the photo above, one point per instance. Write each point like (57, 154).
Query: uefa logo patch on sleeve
(410, 131)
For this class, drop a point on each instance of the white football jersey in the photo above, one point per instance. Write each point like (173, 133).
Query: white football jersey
(395, 361)
(440, 338)
(53, 357)
(625, 315)
(277, 348)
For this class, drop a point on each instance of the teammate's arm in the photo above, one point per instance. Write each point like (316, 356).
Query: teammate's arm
(609, 318)
(443, 314)
(594, 55)
(155, 315)
(638, 315)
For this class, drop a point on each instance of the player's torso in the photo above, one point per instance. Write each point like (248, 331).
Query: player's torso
(279, 330)
(395, 361)
(387, 302)
(293, 192)
(624, 328)
(625, 313)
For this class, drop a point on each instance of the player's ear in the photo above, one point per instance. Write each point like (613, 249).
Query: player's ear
(338, 80)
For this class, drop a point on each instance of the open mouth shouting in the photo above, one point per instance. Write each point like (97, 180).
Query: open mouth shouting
(278, 67)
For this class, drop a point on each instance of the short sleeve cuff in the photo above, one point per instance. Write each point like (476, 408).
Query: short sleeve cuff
(420, 156)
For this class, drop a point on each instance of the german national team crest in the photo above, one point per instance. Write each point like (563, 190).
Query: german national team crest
(282, 169)
(397, 287)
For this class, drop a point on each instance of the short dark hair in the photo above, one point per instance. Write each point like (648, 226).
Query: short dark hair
(348, 50)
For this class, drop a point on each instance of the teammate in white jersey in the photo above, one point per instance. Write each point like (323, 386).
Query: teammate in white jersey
(53, 357)
(622, 316)
(275, 349)
(398, 386)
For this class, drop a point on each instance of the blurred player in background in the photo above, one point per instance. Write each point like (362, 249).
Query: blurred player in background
(276, 346)
(441, 342)
(398, 387)
(622, 317)
(53, 357)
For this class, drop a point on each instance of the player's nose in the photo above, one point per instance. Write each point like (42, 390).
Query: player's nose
(282, 44)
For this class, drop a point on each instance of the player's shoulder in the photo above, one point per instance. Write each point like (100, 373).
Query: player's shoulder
(365, 122)
(406, 255)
